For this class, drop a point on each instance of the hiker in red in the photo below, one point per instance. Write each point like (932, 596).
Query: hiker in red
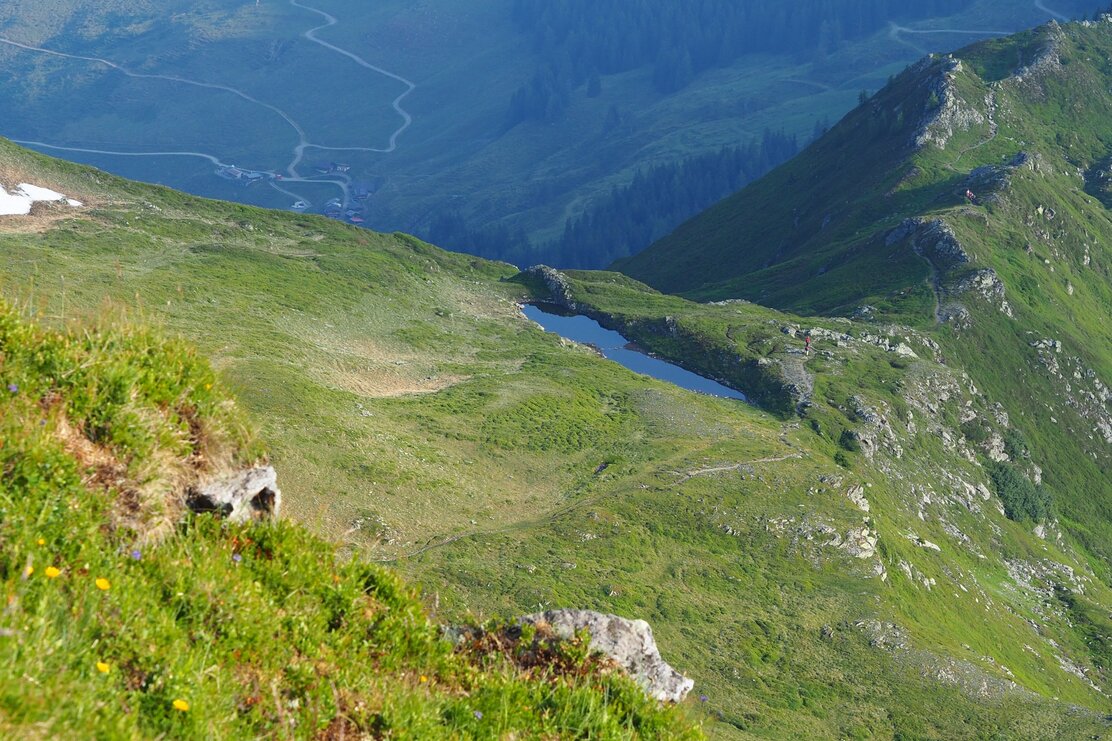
(807, 344)
(970, 197)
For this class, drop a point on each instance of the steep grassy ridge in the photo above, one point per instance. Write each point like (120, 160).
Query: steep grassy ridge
(125, 618)
(1023, 123)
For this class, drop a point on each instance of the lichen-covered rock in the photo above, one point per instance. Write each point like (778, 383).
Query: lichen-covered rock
(629, 643)
(861, 542)
(1047, 61)
(856, 494)
(986, 284)
(250, 494)
(932, 239)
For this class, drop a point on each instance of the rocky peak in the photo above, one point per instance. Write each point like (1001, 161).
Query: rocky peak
(946, 112)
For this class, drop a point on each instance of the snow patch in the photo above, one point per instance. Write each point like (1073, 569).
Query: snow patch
(19, 202)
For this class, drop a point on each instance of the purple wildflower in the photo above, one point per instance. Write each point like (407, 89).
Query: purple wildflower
(703, 698)
(13, 388)
(479, 714)
(236, 557)
(136, 555)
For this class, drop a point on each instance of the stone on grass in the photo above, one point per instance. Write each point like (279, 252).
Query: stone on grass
(629, 643)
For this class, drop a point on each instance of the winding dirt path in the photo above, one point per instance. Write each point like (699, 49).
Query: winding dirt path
(303, 141)
(407, 119)
(896, 33)
(688, 475)
(169, 78)
(44, 145)
(568, 508)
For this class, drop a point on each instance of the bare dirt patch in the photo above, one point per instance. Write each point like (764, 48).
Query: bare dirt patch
(42, 217)
(380, 381)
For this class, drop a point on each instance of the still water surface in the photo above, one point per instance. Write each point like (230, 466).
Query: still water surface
(617, 348)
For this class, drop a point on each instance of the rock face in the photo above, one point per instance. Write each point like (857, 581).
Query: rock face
(932, 239)
(628, 642)
(947, 113)
(251, 494)
(557, 284)
(856, 494)
(861, 542)
(987, 284)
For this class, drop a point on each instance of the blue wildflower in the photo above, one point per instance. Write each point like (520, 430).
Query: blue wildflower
(236, 557)
(136, 555)
(479, 714)
(13, 388)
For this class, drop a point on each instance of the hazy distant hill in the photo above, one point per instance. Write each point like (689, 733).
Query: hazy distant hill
(535, 127)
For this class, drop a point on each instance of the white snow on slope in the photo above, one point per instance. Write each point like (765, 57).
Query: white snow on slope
(19, 202)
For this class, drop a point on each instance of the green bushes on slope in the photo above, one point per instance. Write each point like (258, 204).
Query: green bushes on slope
(1022, 499)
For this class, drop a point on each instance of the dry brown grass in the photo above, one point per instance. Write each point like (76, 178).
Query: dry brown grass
(150, 500)
(382, 381)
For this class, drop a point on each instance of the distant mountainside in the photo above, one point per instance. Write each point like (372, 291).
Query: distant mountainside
(572, 133)
(970, 198)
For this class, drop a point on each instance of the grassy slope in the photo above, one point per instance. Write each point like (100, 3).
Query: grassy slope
(488, 490)
(767, 571)
(217, 631)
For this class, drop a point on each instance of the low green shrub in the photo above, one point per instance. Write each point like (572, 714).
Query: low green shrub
(1023, 500)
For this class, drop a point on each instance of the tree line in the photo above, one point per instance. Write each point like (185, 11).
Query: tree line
(662, 197)
(630, 217)
(576, 41)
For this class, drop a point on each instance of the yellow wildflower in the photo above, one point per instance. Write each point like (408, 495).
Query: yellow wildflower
(51, 572)
(102, 667)
(28, 571)
(42, 541)
(424, 679)
(103, 584)
(181, 705)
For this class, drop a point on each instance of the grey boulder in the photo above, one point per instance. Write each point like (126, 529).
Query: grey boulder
(241, 496)
(629, 643)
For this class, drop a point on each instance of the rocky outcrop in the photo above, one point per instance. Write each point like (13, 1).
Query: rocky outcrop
(856, 494)
(557, 285)
(986, 284)
(988, 182)
(794, 378)
(629, 643)
(936, 242)
(932, 239)
(947, 113)
(250, 494)
(877, 433)
(861, 542)
(1080, 386)
(1047, 61)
